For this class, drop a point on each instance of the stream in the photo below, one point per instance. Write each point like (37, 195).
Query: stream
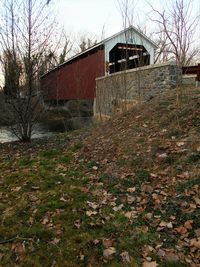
(39, 132)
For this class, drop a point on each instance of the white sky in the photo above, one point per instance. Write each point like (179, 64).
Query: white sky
(93, 15)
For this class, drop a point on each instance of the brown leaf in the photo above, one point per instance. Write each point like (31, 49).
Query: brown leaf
(55, 241)
(181, 230)
(166, 224)
(130, 199)
(108, 242)
(77, 223)
(195, 242)
(16, 189)
(84, 189)
(197, 232)
(197, 201)
(149, 264)
(18, 248)
(171, 256)
(188, 224)
(30, 220)
(131, 189)
(90, 213)
(108, 253)
(125, 256)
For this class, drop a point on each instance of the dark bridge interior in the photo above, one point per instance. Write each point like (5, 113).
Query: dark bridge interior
(127, 56)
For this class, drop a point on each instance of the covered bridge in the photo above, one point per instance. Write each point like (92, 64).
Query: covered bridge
(75, 78)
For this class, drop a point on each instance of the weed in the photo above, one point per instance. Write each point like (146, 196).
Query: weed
(38, 231)
(181, 186)
(193, 158)
(121, 161)
(173, 264)
(169, 160)
(142, 176)
(174, 132)
(50, 206)
(76, 147)
(136, 161)
(91, 164)
(51, 153)
(26, 162)
(65, 159)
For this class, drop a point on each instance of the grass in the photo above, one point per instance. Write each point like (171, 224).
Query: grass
(57, 209)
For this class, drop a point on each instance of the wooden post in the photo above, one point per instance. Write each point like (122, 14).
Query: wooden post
(198, 72)
(198, 75)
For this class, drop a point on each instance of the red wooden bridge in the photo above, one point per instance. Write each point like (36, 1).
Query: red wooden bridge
(192, 70)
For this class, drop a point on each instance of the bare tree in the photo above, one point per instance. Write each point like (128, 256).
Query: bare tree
(25, 35)
(84, 41)
(176, 32)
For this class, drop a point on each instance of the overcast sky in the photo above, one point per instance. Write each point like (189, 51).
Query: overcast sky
(93, 15)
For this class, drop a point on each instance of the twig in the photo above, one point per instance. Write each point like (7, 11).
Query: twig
(8, 240)
(16, 237)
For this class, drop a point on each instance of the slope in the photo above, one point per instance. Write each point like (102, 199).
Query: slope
(125, 193)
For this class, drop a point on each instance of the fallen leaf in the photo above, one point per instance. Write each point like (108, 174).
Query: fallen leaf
(171, 256)
(166, 224)
(95, 168)
(197, 201)
(131, 189)
(16, 189)
(89, 213)
(197, 232)
(108, 253)
(55, 241)
(125, 256)
(77, 223)
(181, 230)
(117, 208)
(30, 220)
(149, 264)
(195, 242)
(188, 224)
(130, 199)
(18, 248)
(108, 243)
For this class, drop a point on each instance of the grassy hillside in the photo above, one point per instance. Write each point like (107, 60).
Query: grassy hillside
(126, 193)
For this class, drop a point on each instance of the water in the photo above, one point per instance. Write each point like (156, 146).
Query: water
(39, 132)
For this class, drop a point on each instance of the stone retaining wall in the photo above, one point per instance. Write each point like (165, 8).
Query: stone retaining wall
(189, 79)
(139, 84)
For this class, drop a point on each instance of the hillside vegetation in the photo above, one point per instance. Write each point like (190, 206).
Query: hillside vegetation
(125, 193)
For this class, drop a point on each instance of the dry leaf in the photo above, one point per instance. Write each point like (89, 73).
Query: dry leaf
(188, 224)
(108, 243)
(55, 241)
(16, 189)
(171, 256)
(108, 253)
(195, 242)
(131, 189)
(30, 220)
(91, 212)
(197, 232)
(181, 230)
(150, 264)
(18, 248)
(77, 223)
(197, 201)
(118, 207)
(130, 199)
(125, 256)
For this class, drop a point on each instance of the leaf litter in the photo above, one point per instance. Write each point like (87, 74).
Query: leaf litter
(130, 193)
